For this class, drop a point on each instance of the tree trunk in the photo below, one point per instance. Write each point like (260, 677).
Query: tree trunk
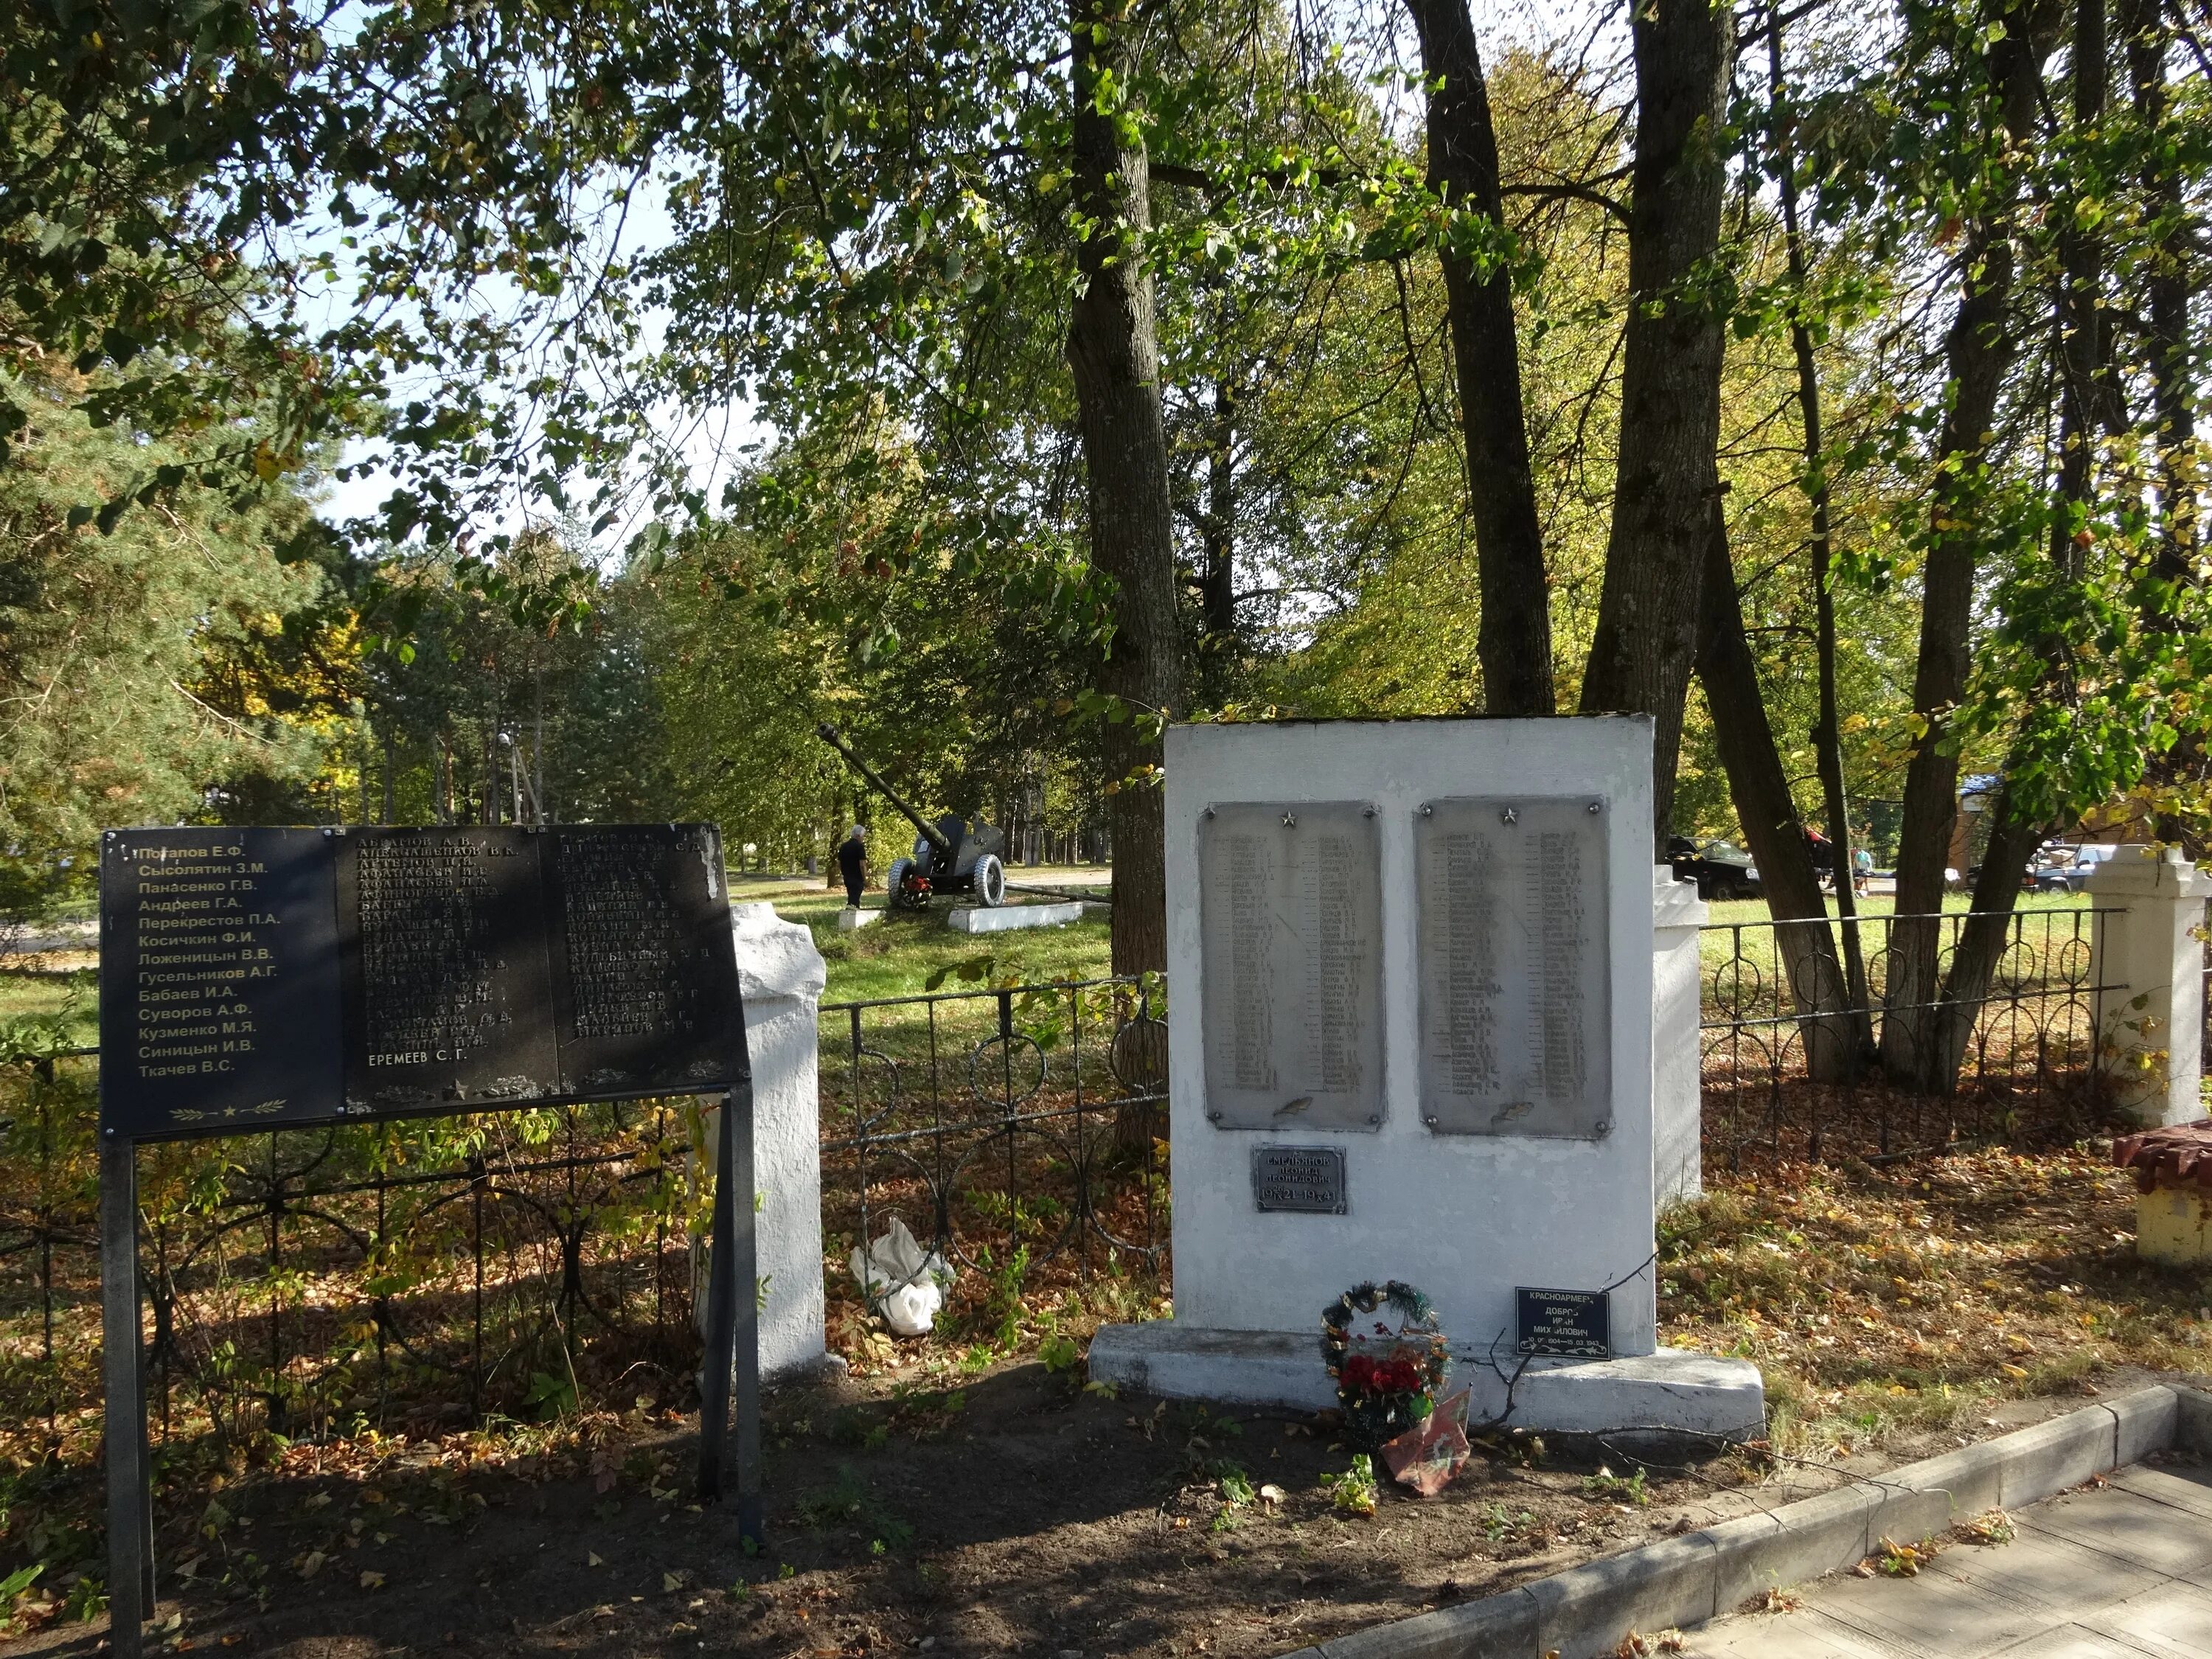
(1978, 352)
(1827, 737)
(1113, 349)
(1667, 485)
(2085, 398)
(2166, 294)
(1515, 643)
(1769, 815)
(1982, 942)
(2165, 350)
(1217, 579)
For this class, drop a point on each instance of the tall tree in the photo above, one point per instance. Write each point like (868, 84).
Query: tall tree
(1113, 347)
(1827, 737)
(1979, 350)
(1516, 640)
(1764, 807)
(1667, 479)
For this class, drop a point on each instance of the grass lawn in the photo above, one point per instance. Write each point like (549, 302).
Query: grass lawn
(67, 994)
(897, 956)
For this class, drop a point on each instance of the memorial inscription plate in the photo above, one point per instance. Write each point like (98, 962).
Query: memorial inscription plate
(218, 979)
(641, 920)
(1289, 908)
(1569, 1324)
(252, 977)
(1305, 1180)
(448, 992)
(1515, 1028)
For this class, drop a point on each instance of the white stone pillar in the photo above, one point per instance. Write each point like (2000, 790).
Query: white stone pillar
(2150, 1027)
(780, 976)
(1677, 1043)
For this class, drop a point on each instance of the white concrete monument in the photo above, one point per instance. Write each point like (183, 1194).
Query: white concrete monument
(1410, 975)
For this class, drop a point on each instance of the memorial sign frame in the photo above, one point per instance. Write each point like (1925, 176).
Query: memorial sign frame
(213, 940)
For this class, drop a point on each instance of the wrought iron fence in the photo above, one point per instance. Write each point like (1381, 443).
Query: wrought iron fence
(1016, 1131)
(1791, 1051)
(429, 1272)
(402, 1276)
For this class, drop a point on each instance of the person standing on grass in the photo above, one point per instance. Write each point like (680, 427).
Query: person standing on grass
(1861, 869)
(853, 864)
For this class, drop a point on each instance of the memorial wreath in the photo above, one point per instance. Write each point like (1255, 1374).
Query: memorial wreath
(1386, 1379)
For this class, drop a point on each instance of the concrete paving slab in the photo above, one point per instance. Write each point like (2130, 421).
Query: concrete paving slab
(2173, 1620)
(2184, 1489)
(1807, 1634)
(2056, 1574)
(2115, 1572)
(2117, 1522)
(1947, 1617)
(2073, 1642)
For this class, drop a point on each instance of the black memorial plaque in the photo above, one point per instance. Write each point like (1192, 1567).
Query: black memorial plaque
(218, 980)
(1571, 1324)
(643, 937)
(250, 977)
(448, 987)
(1303, 1180)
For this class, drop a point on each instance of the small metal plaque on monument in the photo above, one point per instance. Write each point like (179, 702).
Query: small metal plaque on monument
(1289, 923)
(1305, 1180)
(1515, 967)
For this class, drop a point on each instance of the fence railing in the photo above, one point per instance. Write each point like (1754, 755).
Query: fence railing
(1017, 1132)
(422, 1274)
(1791, 1058)
(407, 1277)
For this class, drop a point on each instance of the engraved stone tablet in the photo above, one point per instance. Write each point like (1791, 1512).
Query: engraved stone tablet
(1308, 1179)
(449, 993)
(641, 951)
(1290, 908)
(218, 980)
(1574, 1324)
(1515, 1033)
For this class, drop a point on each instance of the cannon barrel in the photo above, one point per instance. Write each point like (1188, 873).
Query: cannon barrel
(930, 832)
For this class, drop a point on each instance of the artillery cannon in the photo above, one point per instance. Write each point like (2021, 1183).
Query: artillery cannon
(949, 856)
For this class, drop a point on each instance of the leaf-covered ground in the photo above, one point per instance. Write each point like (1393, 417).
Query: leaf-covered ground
(996, 1507)
(1908, 1298)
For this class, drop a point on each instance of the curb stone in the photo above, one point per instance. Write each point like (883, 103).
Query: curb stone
(1586, 1611)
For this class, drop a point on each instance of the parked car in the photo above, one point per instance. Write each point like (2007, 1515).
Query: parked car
(2067, 869)
(1721, 869)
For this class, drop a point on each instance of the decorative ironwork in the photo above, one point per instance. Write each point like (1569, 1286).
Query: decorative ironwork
(1014, 1131)
(419, 1273)
(1789, 1059)
(310, 1280)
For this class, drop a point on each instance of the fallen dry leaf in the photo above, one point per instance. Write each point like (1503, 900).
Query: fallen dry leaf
(371, 1580)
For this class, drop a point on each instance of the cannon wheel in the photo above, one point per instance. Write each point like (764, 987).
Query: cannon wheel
(990, 882)
(896, 883)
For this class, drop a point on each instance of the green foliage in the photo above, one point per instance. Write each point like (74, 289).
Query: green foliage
(1353, 1492)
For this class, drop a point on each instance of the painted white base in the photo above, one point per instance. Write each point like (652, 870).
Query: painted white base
(1669, 1390)
(852, 919)
(974, 918)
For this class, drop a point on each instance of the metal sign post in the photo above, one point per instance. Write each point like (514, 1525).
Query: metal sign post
(733, 1318)
(265, 978)
(130, 1473)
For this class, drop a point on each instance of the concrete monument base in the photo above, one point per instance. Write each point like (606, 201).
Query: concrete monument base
(852, 919)
(1669, 1392)
(974, 918)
